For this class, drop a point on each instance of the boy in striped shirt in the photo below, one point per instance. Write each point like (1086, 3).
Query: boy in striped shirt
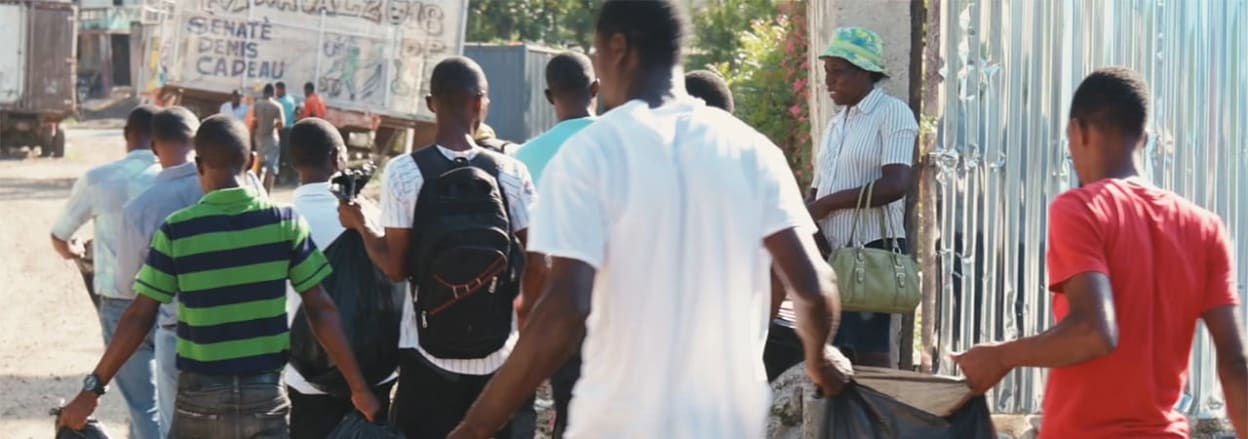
(227, 259)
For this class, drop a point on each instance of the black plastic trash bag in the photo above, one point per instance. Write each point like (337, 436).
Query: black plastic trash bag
(354, 426)
(370, 306)
(871, 407)
(93, 430)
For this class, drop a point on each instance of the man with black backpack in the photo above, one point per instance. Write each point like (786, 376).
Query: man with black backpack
(455, 216)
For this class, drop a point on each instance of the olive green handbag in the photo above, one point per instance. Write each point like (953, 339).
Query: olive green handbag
(874, 280)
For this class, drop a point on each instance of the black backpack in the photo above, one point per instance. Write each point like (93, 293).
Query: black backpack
(465, 260)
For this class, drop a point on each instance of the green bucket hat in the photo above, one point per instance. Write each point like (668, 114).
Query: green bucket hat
(859, 46)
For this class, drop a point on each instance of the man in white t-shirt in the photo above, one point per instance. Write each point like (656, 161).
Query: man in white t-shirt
(662, 220)
(434, 393)
(235, 107)
(317, 153)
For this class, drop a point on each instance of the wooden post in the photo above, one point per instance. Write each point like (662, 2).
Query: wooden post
(929, 193)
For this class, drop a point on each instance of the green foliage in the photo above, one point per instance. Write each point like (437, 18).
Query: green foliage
(770, 84)
(560, 23)
(717, 26)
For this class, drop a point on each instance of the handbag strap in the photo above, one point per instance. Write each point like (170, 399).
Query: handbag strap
(864, 200)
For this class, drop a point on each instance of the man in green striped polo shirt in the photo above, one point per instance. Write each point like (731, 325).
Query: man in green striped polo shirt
(228, 259)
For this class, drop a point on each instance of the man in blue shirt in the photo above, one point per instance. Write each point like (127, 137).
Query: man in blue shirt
(290, 110)
(100, 196)
(572, 88)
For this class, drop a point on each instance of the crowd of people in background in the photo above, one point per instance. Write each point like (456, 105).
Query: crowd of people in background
(671, 268)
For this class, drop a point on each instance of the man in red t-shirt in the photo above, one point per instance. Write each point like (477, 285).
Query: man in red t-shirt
(313, 104)
(1132, 268)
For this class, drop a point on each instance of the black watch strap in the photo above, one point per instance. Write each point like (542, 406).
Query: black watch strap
(94, 384)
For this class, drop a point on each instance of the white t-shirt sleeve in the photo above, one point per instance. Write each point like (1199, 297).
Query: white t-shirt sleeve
(400, 185)
(784, 207)
(571, 219)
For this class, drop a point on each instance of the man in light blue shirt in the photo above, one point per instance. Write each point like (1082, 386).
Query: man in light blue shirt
(572, 88)
(100, 196)
(176, 187)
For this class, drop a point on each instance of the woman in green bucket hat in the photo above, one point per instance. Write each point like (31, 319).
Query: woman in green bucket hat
(871, 140)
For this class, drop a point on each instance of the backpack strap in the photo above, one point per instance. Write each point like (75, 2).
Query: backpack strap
(498, 145)
(489, 161)
(431, 163)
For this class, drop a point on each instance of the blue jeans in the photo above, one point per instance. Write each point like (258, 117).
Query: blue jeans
(136, 378)
(166, 375)
(231, 407)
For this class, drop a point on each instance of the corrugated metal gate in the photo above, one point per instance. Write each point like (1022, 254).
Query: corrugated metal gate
(1010, 68)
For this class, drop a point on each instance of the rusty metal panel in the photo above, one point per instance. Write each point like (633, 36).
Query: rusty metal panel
(51, 73)
(12, 53)
(1009, 69)
(517, 77)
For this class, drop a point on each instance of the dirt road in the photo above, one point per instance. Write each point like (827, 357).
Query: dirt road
(49, 333)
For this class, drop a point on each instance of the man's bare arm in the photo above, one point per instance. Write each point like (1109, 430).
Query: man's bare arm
(387, 249)
(326, 325)
(532, 285)
(1227, 333)
(1089, 332)
(550, 337)
(132, 329)
(812, 285)
(67, 249)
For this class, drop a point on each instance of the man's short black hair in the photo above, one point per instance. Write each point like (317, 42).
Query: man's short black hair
(656, 28)
(280, 85)
(312, 143)
(570, 74)
(456, 82)
(268, 90)
(174, 124)
(309, 87)
(709, 87)
(221, 143)
(1115, 98)
(139, 121)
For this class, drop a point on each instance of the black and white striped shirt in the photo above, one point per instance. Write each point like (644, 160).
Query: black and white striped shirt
(879, 131)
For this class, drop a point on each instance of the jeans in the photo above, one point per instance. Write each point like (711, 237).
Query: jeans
(316, 416)
(136, 378)
(230, 407)
(430, 401)
(166, 375)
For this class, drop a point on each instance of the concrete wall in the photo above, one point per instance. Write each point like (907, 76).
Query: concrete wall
(889, 18)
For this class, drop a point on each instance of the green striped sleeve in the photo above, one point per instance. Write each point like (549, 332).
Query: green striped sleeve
(158, 278)
(308, 267)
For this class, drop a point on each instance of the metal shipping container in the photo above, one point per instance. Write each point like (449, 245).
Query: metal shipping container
(517, 74)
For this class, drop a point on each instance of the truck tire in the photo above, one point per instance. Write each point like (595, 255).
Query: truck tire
(55, 146)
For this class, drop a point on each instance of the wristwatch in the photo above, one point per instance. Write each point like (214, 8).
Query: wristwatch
(94, 385)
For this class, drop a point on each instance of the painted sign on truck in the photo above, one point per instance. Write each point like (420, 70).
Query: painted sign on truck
(369, 55)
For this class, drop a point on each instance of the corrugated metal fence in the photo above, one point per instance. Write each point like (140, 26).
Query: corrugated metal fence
(1010, 68)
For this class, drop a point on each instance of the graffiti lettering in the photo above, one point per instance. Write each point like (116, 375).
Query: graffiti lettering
(229, 28)
(232, 68)
(427, 17)
(224, 47)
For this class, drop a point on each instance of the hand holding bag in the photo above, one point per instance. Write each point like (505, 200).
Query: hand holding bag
(873, 280)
